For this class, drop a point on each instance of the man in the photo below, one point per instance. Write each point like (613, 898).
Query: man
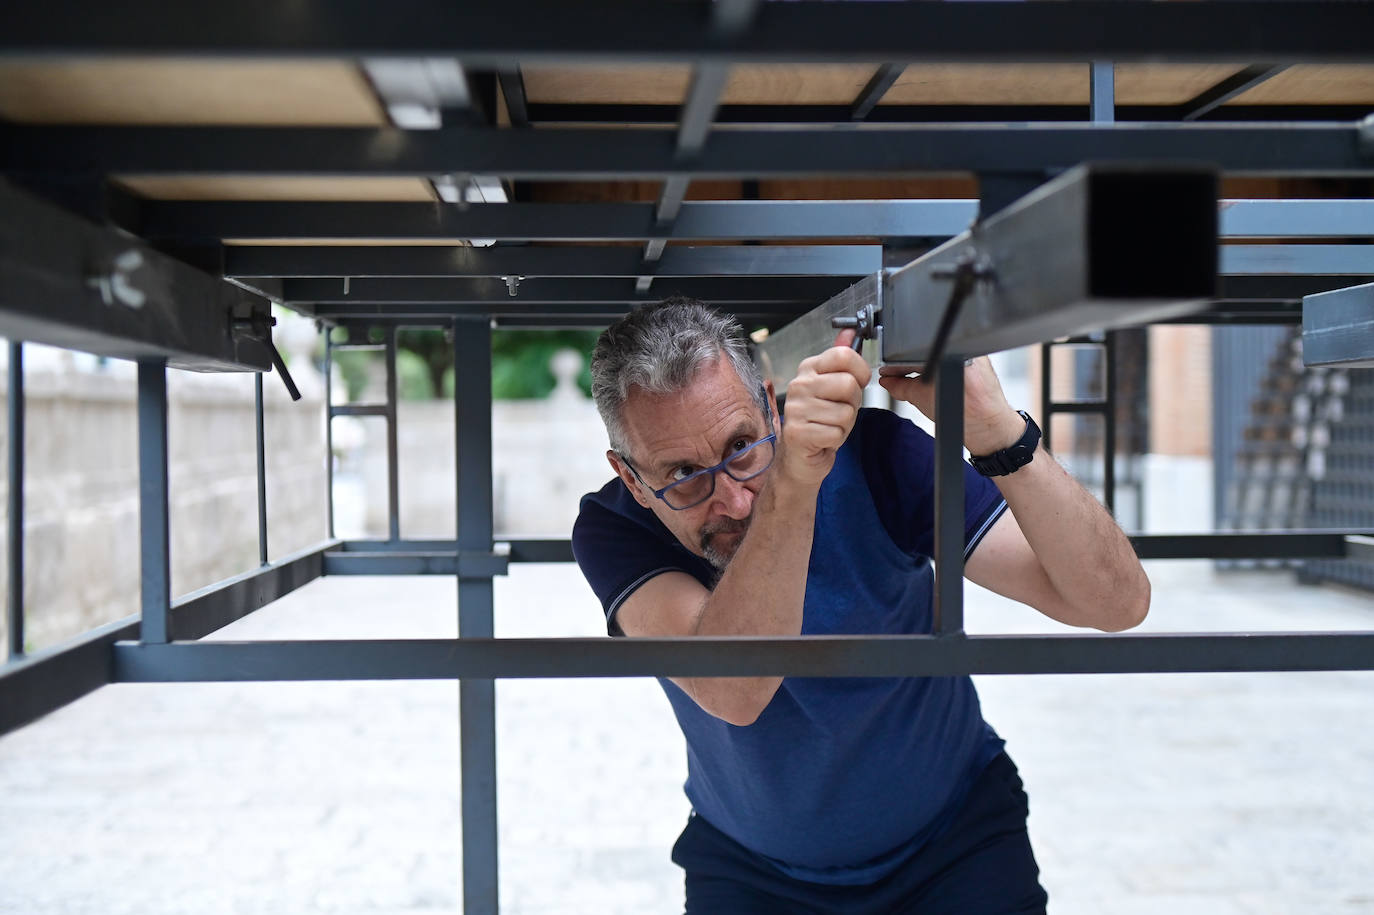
(828, 794)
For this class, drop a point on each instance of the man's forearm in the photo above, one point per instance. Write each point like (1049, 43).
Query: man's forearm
(1086, 556)
(761, 592)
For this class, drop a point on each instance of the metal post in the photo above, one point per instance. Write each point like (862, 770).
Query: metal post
(1046, 360)
(15, 608)
(329, 426)
(949, 496)
(153, 523)
(1102, 91)
(262, 470)
(393, 488)
(477, 698)
(1109, 423)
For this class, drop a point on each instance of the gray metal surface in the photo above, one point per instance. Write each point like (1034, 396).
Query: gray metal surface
(66, 282)
(477, 697)
(950, 518)
(723, 220)
(479, 660)
(1096, 248)
(651, 154)
(1338, 328)
(261, 443)
(782, 351)
(14, 498)
(155, 564)
(361, 261)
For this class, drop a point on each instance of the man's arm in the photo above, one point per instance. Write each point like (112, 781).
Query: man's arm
(1057, 550)
(762, 590)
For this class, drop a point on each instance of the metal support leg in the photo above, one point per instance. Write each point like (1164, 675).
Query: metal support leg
(15, 609)
(393, 475)
(262, 469)
(329, 427)
(477, 698)
(1109, 423)
(949, 496)
(153, 525)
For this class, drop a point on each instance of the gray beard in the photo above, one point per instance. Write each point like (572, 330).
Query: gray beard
(716, 556)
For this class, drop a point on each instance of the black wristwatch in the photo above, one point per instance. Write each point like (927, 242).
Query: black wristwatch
(1010, 460)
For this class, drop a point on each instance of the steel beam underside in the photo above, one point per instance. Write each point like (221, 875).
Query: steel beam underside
(482, 36)
(69, 283)
(652, 154)
(731, 220)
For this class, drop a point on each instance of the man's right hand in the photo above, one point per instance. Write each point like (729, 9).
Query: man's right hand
(822, 404)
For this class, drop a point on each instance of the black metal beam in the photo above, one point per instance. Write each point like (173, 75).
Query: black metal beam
(1243, 545)
(1230, 87)
(607, 113)
(603, 30)
(1338, 328)
(358, 261)
(1063, 260)
(513, 89)
(64, 673)
(1288, 288)
(813, 656)
(736, 220)
(611, 154)
(555, 290)
(883, 79)
(66, 282)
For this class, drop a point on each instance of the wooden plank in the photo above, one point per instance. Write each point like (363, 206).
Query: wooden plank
(637, 84)
(236, 187)
(1167, 84)
(791, 84)
(187, 91)
(1350, 84)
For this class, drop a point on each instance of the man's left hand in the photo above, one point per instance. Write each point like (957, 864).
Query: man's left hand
(990, 423)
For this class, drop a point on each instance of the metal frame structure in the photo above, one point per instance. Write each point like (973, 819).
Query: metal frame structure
(66, 281)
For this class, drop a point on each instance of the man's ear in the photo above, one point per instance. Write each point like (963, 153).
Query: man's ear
(627, 477)
(771, 393)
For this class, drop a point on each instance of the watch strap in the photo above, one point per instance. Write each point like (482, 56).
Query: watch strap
(1013, 458)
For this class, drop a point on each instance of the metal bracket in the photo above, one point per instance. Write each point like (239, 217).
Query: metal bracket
(256, 323)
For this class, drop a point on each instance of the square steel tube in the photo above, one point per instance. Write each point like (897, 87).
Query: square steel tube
(1101, 246)
(67, 282)
(1338, 327)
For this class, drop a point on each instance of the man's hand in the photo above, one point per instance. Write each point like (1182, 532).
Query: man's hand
(822, 404)
(990, 423)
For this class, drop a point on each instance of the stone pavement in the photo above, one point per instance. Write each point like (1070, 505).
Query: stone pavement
(1209, 793)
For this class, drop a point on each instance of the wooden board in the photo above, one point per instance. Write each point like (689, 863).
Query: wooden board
(237, 187)
(1351, 84)
(201, 91)
(629, 84)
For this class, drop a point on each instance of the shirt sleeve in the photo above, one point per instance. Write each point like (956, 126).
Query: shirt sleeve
(899, 462)
(620, 546)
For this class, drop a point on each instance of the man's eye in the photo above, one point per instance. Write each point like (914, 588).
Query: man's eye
(740, 444)
(681, 473)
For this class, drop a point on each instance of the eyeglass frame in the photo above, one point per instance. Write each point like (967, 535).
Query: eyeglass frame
(718, 468)
(771, 438)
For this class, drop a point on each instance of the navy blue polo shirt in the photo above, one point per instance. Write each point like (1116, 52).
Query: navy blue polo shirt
(839, 780)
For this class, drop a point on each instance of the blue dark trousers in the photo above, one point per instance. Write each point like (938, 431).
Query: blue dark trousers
(981, 865)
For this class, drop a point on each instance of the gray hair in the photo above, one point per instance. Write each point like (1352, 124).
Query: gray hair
(660, 348)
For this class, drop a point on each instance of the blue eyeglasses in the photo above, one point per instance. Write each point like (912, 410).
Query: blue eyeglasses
(697, 487)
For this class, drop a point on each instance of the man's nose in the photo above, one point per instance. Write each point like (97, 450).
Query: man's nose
(732, 498)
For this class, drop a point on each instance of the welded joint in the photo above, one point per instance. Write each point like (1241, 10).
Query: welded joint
(484, 564)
